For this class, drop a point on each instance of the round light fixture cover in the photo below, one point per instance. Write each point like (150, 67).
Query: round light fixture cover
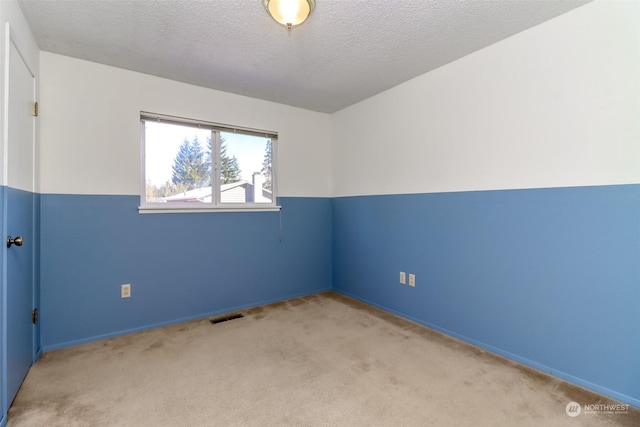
(289, 12)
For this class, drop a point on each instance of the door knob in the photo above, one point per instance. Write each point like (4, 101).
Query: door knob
(15, 241)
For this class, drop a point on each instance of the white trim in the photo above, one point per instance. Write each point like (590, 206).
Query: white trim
(5, 118)
(143, 164)
(216, 164)
(274, 168)
(216, 204)
(190, 208)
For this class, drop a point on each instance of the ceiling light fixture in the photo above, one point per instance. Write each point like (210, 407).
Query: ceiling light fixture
(289, 13)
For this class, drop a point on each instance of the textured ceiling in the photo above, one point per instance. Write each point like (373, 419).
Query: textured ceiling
(347, 51)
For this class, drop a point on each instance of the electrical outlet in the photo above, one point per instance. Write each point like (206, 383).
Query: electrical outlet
(125, 291)
(412, 280)
(403, 278)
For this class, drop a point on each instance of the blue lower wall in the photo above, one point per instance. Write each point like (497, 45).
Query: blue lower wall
(180, 266)
(549, 277)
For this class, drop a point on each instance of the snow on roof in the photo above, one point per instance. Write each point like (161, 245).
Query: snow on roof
(202, 192)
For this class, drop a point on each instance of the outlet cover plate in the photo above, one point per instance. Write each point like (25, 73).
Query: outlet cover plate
(125, 291)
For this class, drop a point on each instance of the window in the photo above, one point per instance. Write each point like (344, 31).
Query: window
(191, 165)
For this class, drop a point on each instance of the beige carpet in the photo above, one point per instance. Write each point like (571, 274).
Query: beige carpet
(323, 360)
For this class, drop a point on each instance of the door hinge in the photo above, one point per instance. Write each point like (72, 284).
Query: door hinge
(34, 316)
(35, 109)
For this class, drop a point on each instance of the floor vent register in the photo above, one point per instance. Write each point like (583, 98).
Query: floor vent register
(225, 318)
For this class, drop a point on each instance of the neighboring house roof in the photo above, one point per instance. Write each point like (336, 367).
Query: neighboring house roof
(235, 192)
(195, 195)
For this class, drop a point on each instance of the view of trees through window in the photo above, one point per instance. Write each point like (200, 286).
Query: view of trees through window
(180, 161)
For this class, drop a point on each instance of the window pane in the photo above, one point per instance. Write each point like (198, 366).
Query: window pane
(177, 163)
(245, 169)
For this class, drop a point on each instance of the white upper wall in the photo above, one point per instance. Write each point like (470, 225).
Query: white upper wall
(90, 121)
(11, 18)
(556, 105)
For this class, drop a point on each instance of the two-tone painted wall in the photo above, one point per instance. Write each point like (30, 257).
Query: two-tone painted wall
(508, 183)
(180, 266)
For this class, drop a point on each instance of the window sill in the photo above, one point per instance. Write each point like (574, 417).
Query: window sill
(201, 209)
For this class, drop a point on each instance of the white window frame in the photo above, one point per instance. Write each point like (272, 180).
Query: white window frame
(216, 205)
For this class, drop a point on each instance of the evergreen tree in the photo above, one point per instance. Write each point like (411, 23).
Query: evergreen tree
(190, 169)
(229, 167)
(267, 167)
(209, 158)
